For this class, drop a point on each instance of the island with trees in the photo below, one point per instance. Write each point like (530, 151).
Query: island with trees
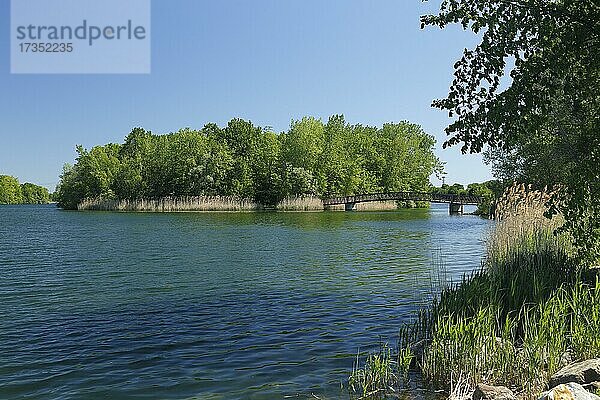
(12, 192)
(246, 166)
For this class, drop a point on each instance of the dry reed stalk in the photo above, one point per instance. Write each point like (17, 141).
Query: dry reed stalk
(460, 388)
(519, 199)
(170, 204)
(197, 203)
(301, 203)
(520, 214)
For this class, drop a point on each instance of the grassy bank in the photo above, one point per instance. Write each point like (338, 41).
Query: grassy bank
(526, 313)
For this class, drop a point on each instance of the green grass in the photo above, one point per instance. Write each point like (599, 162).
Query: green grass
(377, 377)
(519, 349)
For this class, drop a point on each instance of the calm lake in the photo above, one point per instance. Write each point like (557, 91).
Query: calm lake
(212, 305)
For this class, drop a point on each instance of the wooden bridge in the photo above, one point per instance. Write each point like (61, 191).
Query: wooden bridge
(455, 202)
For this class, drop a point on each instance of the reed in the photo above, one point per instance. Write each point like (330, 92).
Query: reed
(520, 350)
(170, 204)
(523, 315)
(377, 378)
(218, 203)
(301, 203)
(197, 203)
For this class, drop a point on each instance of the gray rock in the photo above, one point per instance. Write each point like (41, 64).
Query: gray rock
(569, 391)
(566, 359)
(486, 392)
(584, 373)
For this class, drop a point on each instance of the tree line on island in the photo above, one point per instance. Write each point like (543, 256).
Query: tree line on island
(246, 161)
(12, 192)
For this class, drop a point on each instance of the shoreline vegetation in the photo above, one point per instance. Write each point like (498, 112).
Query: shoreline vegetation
(230, 203)
(530, 310)
(220, 203)
(195, 203)
(533, 307)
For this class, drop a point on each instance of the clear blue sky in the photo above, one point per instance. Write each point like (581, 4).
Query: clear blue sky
(269, 61)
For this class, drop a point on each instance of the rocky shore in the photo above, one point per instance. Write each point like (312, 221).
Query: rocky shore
(578, 381)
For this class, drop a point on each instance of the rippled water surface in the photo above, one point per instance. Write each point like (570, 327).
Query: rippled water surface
(211, 305)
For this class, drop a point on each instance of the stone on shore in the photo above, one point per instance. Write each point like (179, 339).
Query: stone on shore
(486, 392)
(584, 373)
(569, 391)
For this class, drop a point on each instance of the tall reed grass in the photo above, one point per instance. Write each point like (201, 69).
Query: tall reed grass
(528, 310)
(170, 204)
(301, 203)
(218, 203)
(197, 203)
(378, 375)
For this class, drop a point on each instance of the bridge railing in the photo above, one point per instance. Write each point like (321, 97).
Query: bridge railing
(404, 196)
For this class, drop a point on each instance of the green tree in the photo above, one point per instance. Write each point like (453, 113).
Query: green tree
(267, 170)
(10, 190)
(550, 104)
(217, 164)
(91, 176)
(241, 137)
(303, 143)
(69, 191)
(34, 194)
(337, 168)
(408, 158)
(188, 150)
(298, 181)
(129, 182)
(456, 189)
(487, 195)
(301, 148)
(248, 161)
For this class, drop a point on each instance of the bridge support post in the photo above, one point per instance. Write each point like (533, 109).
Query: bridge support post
(350, 206)
(456, 209)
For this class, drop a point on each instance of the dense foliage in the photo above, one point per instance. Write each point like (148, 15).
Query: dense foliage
(542, 126)
(488, 191)
(246, 161)
(34, 194)
(11, 192)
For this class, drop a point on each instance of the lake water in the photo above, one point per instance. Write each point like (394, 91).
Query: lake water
(211, 305)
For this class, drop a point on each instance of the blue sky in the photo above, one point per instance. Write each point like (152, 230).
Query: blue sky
(269, 61)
